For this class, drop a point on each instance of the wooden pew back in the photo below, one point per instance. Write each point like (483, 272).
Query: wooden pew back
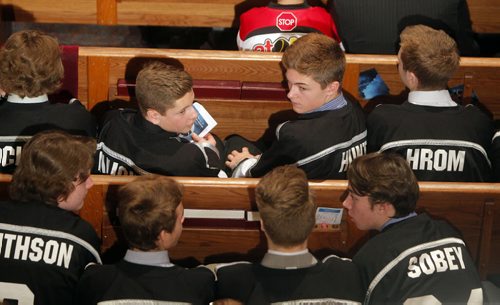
(224, 240)
(472, 208)
(100, 69)
(191, 13)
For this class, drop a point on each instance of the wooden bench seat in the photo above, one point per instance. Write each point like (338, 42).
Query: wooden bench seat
(473, 208)
(191, 13)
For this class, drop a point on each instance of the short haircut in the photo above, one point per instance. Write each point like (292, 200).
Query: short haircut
(146, 206)
(430, 54)
(50, 162)
(317, 56)
(159, 85)
(30, 64)
(286, 206)
(385, 177)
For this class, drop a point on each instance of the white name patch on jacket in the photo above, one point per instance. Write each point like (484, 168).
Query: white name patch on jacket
(21, 247)
(351, 154)
(449, 160)
(10, 155)
(440, 260)
(106, 166)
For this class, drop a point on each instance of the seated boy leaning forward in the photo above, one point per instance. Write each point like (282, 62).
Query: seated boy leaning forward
(413, 259)
(44, 244)
(288, 273)
(157, 138)
(30, 69)
(442, 141)
(329, 131)
(151, 214)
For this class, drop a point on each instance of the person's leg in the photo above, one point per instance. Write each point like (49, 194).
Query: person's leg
(237, 142)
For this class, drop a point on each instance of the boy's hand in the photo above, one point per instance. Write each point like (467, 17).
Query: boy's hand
(235, 157)
(207, 138)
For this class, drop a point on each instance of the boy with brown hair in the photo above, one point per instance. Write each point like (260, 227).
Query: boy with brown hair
(442, 141)
(151, 214)
(414, 259)
(155, 139)
(30, 69)
(44, 244)
(329, 131)
(288, 272)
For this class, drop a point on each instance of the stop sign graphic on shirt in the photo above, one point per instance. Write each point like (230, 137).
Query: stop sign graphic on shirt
(286, 21)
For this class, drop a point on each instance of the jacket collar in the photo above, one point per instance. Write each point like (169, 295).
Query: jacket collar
(16, 99)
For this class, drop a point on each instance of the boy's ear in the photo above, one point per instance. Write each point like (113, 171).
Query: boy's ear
(153, 116)
(333, 88)
(386, 209)
(412, 80)
(164, 240)
(262, 226)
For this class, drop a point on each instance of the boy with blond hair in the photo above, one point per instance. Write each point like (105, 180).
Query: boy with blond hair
(442, 141)
(288, 273)
(329, 131)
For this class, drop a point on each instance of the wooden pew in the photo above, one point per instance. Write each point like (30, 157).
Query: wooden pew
(204, 241)
(190, 13)
(100, 69)
(209, 241)
(484, 15)
(473, 208)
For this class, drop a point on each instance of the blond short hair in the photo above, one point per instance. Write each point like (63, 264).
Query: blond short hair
(430, 54)
(286, 206)
(317, 56)
(159, 85)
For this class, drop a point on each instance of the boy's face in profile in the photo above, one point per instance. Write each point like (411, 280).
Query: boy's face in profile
(181, 117)
(74, 201)
(364, 214)
(305, 93)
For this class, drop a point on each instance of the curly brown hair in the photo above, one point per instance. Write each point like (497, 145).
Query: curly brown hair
(30, 64)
